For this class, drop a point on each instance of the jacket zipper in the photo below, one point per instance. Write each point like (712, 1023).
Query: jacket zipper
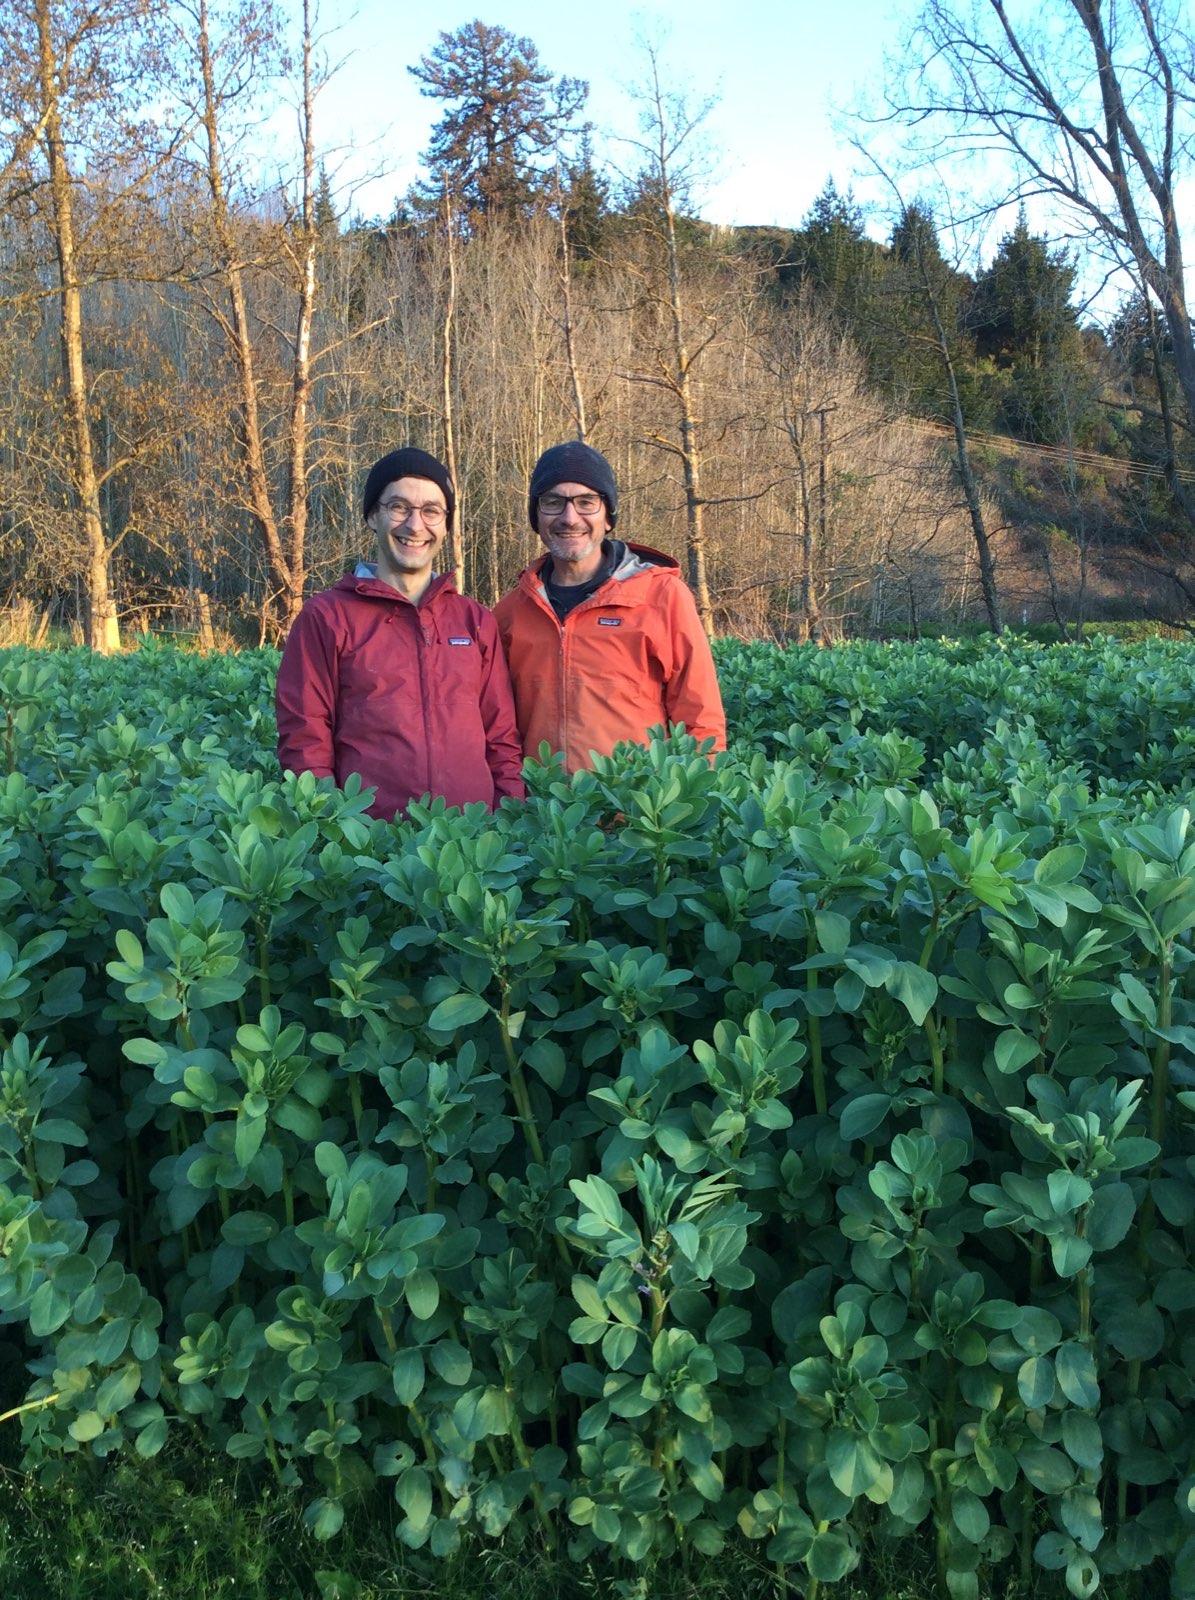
(561, 658)
(427, 740)
(563, 683)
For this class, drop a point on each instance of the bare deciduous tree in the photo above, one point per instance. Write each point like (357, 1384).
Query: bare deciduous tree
(65, 92)
(1092, 103)
(447, 382)
(928, 286)
(226, 66)
(669, 124)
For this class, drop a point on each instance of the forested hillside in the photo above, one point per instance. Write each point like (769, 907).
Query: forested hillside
(852, 425)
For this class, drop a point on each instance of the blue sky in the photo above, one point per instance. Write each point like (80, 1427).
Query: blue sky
(784, 74)
(780, 72)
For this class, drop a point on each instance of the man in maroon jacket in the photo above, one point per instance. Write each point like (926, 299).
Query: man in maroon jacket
(392, 673)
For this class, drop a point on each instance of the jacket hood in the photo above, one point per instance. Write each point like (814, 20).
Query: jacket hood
(637, 559)
(364, 581)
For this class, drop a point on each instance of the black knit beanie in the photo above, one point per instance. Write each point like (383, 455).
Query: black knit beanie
(409, 463)
(573, 463)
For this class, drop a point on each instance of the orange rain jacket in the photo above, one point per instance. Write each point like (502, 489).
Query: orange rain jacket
(631, 657)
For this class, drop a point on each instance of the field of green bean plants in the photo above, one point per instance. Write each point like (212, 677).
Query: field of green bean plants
(794, 1153)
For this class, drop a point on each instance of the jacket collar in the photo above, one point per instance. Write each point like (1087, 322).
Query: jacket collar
(364, 581)
(637, 558)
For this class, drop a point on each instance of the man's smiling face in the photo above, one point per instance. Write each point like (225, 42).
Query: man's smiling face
(573, 537)
(409, 523)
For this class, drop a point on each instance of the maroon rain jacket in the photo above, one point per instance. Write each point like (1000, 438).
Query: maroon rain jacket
(415, 698)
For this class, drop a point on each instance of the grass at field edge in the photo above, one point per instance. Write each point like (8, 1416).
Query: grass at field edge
(189, 1526)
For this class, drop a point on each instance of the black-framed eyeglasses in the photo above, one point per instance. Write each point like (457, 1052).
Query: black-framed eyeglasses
(587, 504)
(400, 510)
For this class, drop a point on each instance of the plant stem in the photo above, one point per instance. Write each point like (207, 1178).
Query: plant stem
(1026, 1536)
(814, 1584)
(30, 1405)
(1122, 1483)
(1161, 1058)
(425, 1438)
(271, 1449)
(553, 1407)
(815, 1035)
(263, 961)
(661, 922)
(1035, 1263)
(659, 1305)
(355, 1100)
(931, 939)
(935, 1051)
(29, 1166)
(518, 1083)
(948, 1405)
(1083, 1282)
(781, 1446)
(387, 1329)
(524, 1457)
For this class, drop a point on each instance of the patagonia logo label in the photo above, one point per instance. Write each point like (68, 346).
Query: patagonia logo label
(465, 640)
(609, 622)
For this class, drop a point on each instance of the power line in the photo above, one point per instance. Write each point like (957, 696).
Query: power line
(996, 441)
(1055, 452)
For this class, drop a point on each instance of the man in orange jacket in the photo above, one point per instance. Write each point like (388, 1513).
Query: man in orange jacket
(602, 636)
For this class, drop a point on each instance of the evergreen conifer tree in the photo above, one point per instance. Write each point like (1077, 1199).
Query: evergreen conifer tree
(504, 114)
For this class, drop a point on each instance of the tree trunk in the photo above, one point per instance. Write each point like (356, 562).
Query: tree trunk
(809, 600)
(983, 548)
(1174, 483)
(238, 333)
(811, 622)
(962, 456)
(102, 626)
(690, 448)
(205, 632)
(1167, 278)
(456, 537)
(566, 285)
(676, 362)
(296, 554)
(1055, 598)
(495, 575)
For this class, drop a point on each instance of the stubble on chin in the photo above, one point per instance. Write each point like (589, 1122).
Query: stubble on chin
(571, 554)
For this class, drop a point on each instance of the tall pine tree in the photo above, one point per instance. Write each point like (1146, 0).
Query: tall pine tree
(1027, 329)
(586, 200)
(916, 305)
(504, 116)
(834, 253)
(1021, 310)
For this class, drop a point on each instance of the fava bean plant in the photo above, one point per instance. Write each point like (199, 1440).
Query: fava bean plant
(794, 1149)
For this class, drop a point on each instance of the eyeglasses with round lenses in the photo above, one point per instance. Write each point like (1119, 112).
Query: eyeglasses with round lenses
(587, 504)
(401, 510)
